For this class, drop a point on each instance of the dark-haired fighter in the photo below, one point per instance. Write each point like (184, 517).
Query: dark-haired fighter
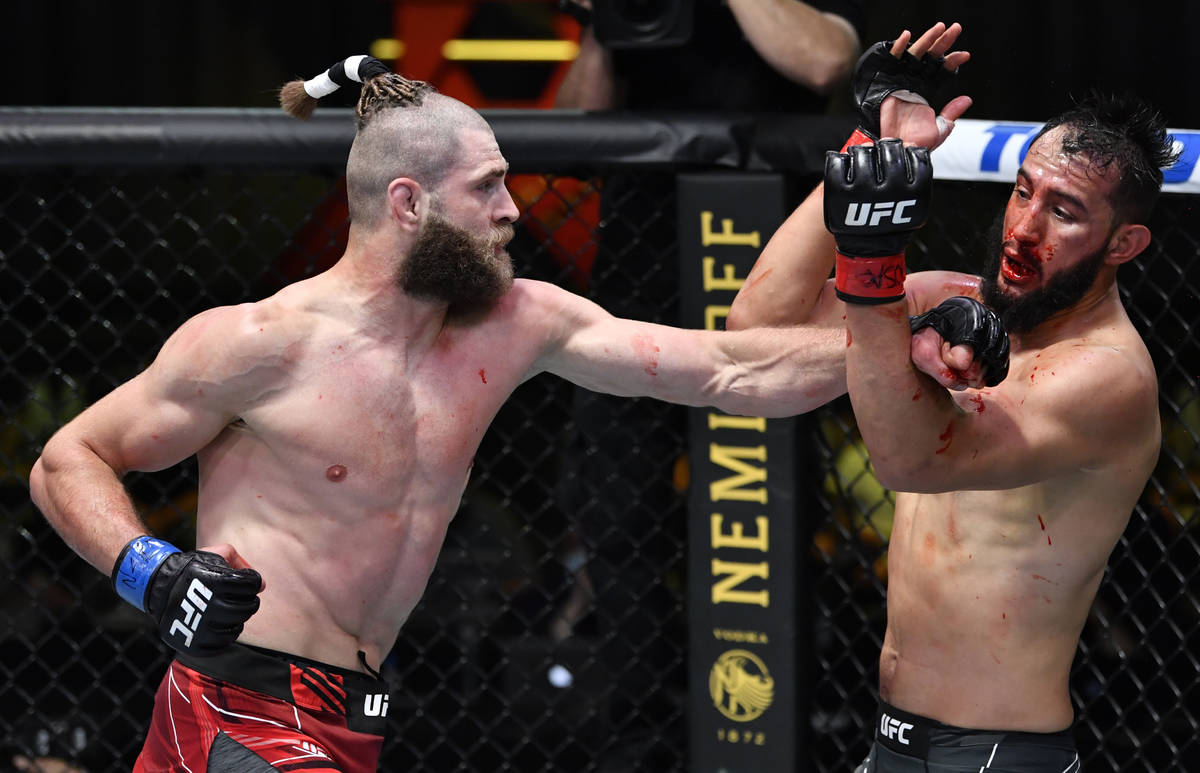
(335, 424)
(1013, 497)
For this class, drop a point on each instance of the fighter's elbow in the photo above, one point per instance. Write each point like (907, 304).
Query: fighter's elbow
(894, 469)
(60, 455)
(904, 473)
(55, 456)
(891, 477)
(738, 318)
(37, 484)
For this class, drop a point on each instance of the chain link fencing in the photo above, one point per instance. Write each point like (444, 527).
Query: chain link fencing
(552, 636)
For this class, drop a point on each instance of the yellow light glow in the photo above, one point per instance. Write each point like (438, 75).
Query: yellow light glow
(510, 50)
(387, 48)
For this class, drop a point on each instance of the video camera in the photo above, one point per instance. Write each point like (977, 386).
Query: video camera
(635, 23)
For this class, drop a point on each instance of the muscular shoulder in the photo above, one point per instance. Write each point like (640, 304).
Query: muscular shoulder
(543, 320)
(547, 307)
(232, 349)
(1106, 393)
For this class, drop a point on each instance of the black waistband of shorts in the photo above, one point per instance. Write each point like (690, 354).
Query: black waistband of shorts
(269, 672)
(915, 736)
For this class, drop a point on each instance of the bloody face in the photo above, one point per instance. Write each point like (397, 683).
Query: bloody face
(1045, 253)
(1023, 311)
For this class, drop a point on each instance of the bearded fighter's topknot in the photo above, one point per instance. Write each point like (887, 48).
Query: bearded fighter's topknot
(381, 88)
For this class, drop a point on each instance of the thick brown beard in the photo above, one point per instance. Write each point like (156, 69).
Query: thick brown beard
(1023, 313)
(448, 264)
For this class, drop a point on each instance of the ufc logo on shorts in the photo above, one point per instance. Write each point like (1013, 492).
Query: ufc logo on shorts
(872, 213)
(892, 728)
(376, 705)
(194, 603)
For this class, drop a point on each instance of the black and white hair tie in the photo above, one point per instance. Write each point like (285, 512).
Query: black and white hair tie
(299, 98)
(352, 69)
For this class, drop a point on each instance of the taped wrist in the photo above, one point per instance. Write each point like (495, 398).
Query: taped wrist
(869, 281)
(136, 565)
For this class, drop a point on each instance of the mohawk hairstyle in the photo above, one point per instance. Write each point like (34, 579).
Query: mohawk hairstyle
(1124, 132)
(387, 91)
(381, 89)
(404, 129)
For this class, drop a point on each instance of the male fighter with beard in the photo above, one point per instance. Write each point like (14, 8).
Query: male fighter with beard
(335, 424)
(1010, 500)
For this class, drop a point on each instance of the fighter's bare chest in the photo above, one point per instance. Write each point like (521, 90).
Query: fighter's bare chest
(370, 422)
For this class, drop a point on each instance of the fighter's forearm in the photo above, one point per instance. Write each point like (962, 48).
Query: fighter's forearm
(85, 501)
(789, 275)
(782, 372)
(906, 419)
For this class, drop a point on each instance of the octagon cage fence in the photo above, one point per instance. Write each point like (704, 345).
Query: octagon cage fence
(553, 634)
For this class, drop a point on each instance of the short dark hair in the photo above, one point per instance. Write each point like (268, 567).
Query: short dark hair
(1125, 131)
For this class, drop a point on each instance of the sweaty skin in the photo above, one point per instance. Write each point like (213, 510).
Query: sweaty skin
(335, 422)
(1017, 493)
(398, 417)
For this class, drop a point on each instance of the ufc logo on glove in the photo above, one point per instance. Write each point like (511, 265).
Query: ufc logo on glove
(198, 600)
(872, 213)
(192, 606)
(876, 197)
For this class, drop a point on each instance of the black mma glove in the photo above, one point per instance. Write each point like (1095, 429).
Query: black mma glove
(878, 74)
(962, 320)
(875, 198)
(198, 600)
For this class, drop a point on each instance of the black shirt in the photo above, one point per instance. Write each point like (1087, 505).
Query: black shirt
(718, 69)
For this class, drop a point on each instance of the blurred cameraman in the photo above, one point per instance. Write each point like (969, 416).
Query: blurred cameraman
(741, 55)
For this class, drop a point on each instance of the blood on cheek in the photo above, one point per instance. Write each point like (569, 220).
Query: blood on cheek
(336, 473)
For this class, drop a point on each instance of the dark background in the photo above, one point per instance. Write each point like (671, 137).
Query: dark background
(1030, 56)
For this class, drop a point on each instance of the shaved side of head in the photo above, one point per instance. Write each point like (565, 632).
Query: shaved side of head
(415, 140)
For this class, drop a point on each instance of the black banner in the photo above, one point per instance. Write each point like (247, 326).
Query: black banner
(742, 536)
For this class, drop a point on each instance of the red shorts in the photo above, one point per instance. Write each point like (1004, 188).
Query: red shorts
(251, 710)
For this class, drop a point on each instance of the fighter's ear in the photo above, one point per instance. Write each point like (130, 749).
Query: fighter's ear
(405, 201)
(1126, 243)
